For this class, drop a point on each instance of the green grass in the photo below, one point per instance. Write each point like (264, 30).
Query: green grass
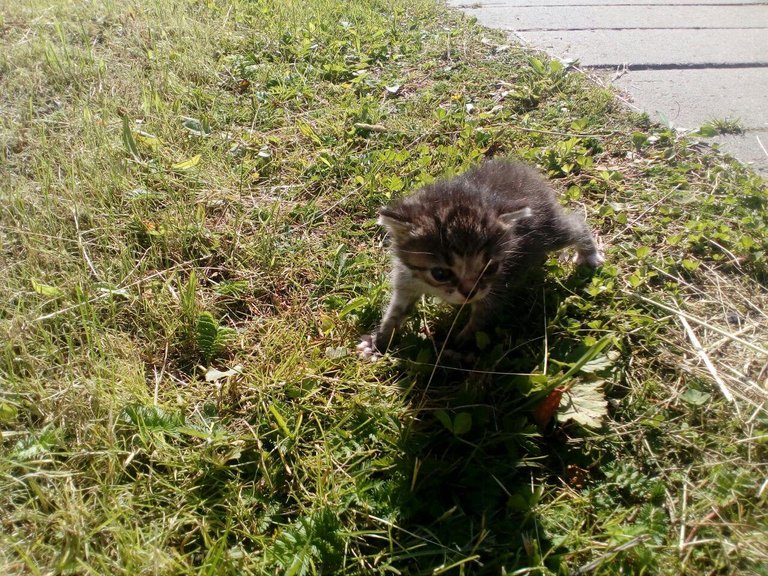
(722, 126)
(189, 187)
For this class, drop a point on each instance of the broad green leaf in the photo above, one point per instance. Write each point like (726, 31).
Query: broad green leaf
(584, 404)
(308, 131)
(8, 412)
(264, 152)
(354, 305)
(46, 289)
(537, 65)
(114, 291)
(280, 421)
(462, 423)
(444, 419)
(142, 194)
(214, 375)
(147, 140)
(128, 140)
(187, 164)
(706, 131)
(482, 340)
(639, 140)
(690, 264)
(224, 337)
(600, 363)
(642, 251)
(394, 183)
(334, 353)
(212, 339)
(695, 397)
(587, 357)
(151, 418)
(195, 433)
(196, 127)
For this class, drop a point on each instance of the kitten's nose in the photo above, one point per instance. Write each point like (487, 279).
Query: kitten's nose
(468, 289)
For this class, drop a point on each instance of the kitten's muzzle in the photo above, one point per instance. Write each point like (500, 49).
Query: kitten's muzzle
(470, 292)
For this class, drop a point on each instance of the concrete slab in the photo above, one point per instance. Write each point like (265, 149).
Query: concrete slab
(750, 148)
(549, 17)
(464, 4)
(611, 48)
(688, 98)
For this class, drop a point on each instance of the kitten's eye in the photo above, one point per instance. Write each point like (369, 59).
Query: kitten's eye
(491, 269)
(441, 274)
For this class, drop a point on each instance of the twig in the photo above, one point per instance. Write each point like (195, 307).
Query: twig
(751, 439)
(640, 216)
(621, 70)
(61, 311)
(159, 377)
(692, 534)
(87, 258)
(372, 127)
(708, 363)
(596, 563)
(680, 313)
(743, 330)
(734, 259)
(747, 381)
(683, 512)
(761, 145)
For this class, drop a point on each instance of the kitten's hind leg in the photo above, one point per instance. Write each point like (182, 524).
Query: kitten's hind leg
(579, 234)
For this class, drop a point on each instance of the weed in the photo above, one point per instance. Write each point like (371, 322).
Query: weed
(721, 126)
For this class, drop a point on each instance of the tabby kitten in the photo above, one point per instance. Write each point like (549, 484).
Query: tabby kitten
(469, 240)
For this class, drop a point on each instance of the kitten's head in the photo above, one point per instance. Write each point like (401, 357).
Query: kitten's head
(457, 251)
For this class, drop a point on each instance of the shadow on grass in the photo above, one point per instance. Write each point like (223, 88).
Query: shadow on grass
(474, 464)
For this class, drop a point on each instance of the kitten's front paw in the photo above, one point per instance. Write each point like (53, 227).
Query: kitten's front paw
(591, 259)
(458, 356)
(366, 349)
(464, 339)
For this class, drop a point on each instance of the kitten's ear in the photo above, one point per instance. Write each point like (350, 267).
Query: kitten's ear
(395, 223)
(510, 218)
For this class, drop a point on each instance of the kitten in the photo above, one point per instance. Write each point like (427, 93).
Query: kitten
(471, 239)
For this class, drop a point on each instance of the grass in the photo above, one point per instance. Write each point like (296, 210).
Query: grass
(722, 126)
(189, 248)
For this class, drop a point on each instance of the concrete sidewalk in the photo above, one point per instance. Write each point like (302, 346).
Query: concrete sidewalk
(685, 62)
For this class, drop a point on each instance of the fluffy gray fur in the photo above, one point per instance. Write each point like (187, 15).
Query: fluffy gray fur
(471, 239)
